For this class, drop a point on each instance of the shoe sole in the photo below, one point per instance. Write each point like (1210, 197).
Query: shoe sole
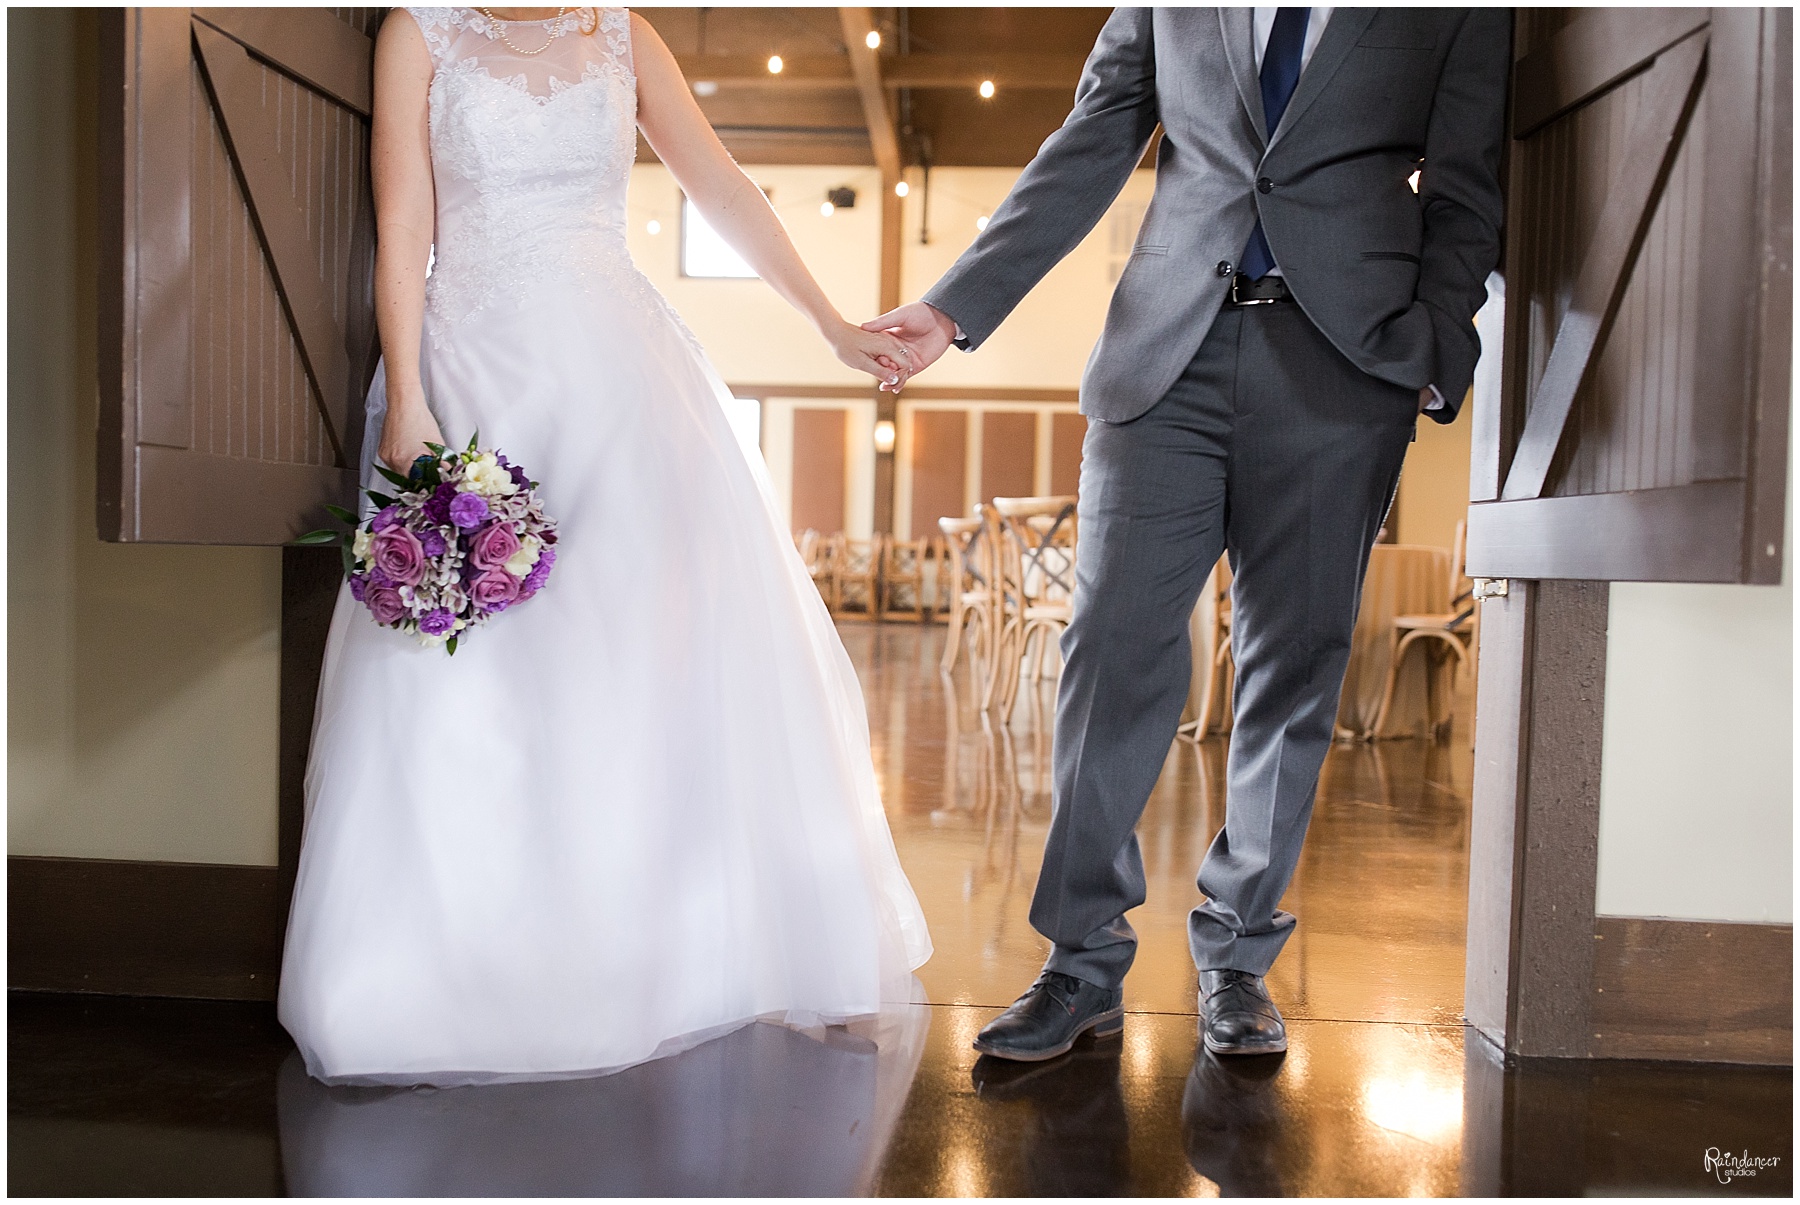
(1108, 1024)
(1261, 1048)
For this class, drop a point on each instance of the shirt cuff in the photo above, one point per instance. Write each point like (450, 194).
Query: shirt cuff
(1437, 401)
(961, 341)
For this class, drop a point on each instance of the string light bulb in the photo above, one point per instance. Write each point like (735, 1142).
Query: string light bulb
(986, 89)
(902, 188)
(873, 41)
(775, 64)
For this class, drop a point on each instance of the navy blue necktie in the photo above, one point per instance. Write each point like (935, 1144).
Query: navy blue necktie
(1280, 72)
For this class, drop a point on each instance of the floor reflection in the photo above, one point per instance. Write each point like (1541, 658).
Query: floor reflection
(763, 1111)
(1381, 1092)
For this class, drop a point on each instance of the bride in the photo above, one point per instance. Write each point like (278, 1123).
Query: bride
(639, 812)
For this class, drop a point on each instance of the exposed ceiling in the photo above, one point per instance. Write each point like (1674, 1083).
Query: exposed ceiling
(916, 96)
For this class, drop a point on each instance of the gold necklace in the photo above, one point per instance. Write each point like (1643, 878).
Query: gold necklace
(556, 30)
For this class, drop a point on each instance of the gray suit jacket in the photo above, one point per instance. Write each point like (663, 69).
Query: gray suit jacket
(1392, 279)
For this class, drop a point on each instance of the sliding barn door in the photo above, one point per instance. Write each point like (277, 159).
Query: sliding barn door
(237, 333)
(1642, 429)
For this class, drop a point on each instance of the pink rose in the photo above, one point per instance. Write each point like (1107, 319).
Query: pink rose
(493, 546)
(385, 605)
(398, 554)
(494, 590)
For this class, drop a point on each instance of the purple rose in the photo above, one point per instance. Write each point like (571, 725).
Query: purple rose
(468, 511)
(494, 546)
(385, 605)
(398, 554)
(437, 507)
(433, 543)
(436, 622)
(359, 587)
(378, 578)
(385, 518)
(494, 590)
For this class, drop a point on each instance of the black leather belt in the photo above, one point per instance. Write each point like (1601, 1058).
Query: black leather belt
(1266, 291)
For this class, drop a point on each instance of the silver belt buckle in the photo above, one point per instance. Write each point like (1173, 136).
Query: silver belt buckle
(1236, 300)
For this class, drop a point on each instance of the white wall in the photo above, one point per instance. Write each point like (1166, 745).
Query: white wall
(142, 711)
(1696, 786)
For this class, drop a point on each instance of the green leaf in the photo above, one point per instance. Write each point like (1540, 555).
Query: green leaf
(379, 499)
(319, 537)
(339, 513)
(475, 439)
(450, 644)
(349, 561)
(404, 483)
(436, 449)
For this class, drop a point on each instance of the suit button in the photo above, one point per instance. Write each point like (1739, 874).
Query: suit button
(1225, 267)
(1265, 185)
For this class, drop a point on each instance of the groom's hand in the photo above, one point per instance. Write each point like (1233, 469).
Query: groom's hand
(925, 332)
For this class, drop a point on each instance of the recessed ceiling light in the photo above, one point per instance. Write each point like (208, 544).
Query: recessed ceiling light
(981, 222)
(775, 64)
(873, 41)
(653, 226)
(827, 209)
(902, 188)
(987, 89)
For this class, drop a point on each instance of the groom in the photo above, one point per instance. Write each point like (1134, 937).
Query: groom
(1290, 307)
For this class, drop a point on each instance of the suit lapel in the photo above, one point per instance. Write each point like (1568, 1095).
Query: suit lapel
(1239, 34)
(1341, 34)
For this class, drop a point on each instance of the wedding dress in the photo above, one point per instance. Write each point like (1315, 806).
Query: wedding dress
(638, 811)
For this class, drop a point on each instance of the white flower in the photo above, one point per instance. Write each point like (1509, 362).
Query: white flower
(520, 562)
(483, 475)
(359, 545)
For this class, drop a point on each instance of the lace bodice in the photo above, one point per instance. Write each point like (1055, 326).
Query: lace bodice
(531, 154)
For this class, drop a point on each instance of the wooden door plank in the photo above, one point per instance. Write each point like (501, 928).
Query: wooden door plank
(1593, 53)
(162, 247)
(1687, 533)
(310, 44)
(1655, 135)
(293, 261)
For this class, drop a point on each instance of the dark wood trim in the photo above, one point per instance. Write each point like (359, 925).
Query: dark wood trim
(1596, 51)
(1657, 131)
(1535, 827)
(1693, 990)
(115, 277)
(257, 152)
(193, 498)
(1686, 533)
(144, 928)
(329, 56)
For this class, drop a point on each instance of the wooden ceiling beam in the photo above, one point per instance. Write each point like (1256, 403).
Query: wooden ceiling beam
(1009, 70)
(865, 68)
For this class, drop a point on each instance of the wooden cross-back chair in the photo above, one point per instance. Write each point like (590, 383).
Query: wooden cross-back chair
(1455, 631)
(970, 594)
(1034, 540)
(907, 567)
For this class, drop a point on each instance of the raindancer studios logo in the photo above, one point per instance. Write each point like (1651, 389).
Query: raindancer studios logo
(1728, 1167)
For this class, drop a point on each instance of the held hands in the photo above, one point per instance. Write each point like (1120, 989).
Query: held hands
(924, 332)
(877, 353)
(408, 427)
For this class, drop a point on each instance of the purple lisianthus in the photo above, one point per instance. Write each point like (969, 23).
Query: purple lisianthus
(468, 511)
(436, 622)
(359, 587)
(433, 543)
(385, 518)
(385, 605)
(398, 554)
(494, 590)
(534, 581)
(494, 546)
(437, 507)
(378, 578)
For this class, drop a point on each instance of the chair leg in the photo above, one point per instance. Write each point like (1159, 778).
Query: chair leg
(953, 637)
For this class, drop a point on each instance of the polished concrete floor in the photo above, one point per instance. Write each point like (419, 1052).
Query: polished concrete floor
(1382, 1092)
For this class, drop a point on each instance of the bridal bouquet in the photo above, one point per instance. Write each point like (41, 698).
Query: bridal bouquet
(463, 538)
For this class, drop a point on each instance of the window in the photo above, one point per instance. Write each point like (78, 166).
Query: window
(704, 253)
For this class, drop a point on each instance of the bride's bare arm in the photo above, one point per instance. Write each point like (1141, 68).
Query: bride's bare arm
(683, 139)
(405, 214)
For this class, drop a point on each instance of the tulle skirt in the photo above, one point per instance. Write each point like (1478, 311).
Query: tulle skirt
(627, 816)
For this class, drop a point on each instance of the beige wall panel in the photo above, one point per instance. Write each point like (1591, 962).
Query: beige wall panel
(1067, 432)
(1008, 454)
(819, 478)
(939, 467)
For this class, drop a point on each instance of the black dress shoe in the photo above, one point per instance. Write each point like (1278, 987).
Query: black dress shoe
(1237, 1016)
(1047, 1019)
